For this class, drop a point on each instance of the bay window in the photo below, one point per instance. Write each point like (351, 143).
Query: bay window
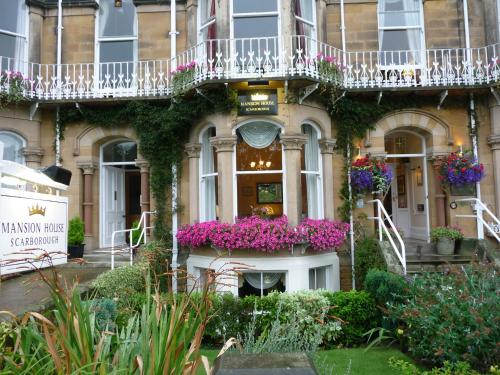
(259, 170)
(255, 25)
(13, 34)
(312, 202)
(260, 283)
(116, 39)
(13, 146)
(208, 177)
(401, 31)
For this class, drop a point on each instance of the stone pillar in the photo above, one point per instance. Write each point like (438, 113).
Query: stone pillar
(144, 169)
(88, 168)
(224, 146)
(292, 145)
(33, 156)
(494, 142)
(327, 146)
(193, 153)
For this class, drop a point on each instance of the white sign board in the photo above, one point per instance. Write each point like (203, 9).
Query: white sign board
(33, 230)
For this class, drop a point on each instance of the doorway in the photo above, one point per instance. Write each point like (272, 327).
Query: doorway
(120, 189)
(407, 199)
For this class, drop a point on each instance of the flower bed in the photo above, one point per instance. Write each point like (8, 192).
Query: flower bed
(460, 170)
(264, 235)
(370, 176)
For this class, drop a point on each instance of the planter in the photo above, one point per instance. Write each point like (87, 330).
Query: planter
(75, 251)
(445, 246)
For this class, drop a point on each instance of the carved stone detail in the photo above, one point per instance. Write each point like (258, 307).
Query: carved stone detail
(327, 145)
(192, 150)
(33, 154)
(494, 141)
(223, 144)
(143, 165)
(87, 166)
(293, 141)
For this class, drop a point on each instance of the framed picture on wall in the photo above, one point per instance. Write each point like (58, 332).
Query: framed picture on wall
(270, 192)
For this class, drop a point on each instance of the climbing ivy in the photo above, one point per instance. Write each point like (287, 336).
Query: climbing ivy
(162, 129)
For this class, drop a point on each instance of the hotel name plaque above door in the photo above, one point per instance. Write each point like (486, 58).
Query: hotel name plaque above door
(258, 102)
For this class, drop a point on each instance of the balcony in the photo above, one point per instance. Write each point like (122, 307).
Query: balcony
(230, 60)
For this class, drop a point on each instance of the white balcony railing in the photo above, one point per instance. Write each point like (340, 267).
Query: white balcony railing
(254, 58)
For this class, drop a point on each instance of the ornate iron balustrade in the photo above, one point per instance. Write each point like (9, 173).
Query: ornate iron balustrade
(253, 59)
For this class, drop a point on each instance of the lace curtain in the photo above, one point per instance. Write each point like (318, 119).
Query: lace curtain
(268, 279)
(259, 134)
(311, 151)
(208, 182)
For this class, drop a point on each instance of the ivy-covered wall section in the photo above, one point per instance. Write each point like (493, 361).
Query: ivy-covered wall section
(162, 129)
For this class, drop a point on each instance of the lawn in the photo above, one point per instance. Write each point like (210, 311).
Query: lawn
(338, 361)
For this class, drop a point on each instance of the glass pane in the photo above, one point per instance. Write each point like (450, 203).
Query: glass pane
(257, 284)
(400, 47)
(12, 16)
(119, 152)
(255, 27)
(312, 277)
(251, 6)
(321, 278)
(304, 9)
(209, 204)
(8, 48)
(117, 21)
(310, 189)
(249, 158)
(207, 10)
(307, 30)
(399, 5)
(208, 154)
(116, 51)
(260, 194)
(12, 147)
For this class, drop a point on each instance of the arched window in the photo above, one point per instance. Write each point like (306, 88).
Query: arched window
(12, 146)
(259, 170)
(208, 177)
(119, 152)
(116, 38)
(312, 197)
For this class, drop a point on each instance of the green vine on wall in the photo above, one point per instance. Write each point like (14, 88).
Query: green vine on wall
(162, 129)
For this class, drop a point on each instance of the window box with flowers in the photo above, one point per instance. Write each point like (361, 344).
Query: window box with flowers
(459, 172)
(329, 68)
(445, 238)
(12, 87)
(370, 176)
(262, 235)
(183, 76)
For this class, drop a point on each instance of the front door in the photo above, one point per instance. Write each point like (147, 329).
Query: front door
(114, 204)
(399, 196)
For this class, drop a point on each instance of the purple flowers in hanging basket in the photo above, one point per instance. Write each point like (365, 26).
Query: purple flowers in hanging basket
(460, 169)
(369, 175)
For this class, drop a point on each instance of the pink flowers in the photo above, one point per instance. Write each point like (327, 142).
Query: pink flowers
(184, 67)
(264, 235)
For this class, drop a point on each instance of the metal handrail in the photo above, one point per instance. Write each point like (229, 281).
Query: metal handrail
(382, 217)
(480, 206)
(142, 223)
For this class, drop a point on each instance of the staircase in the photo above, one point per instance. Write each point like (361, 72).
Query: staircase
(100, 258)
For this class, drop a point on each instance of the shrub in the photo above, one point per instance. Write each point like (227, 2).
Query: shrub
(75, 231)
(357, 310)
(368, 255)
(407, 368)
(454, 317)
(105, 313)
(120, 283)
(453, 233)
(385, 287)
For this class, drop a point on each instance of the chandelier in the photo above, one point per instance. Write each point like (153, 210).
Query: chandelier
(260, 165)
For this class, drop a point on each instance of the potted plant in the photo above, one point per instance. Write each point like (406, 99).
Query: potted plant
(444, 238)
(75, 238)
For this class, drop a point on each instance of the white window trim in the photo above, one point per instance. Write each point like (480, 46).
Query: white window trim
(314, 22)
(20, 137)
(201, 27)
(320, 199)
(23, 65)
(202, 215)
(421, 27)
(99, 39)
(277, 171)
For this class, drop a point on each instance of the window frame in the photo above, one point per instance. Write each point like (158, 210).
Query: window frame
(202, 26)
(99, 40)
(236, 173)
(328, 271)
(23, 143)
(421, 27)
(319, 174)
(22, 65)
(313, 23)
(202, 216)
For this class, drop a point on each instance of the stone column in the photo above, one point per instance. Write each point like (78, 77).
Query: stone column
(292, 145)
(193, 153)
(224, 146)
(144, 169)
(494, 142)
(327, 146)
(33, 156)
(88, 168)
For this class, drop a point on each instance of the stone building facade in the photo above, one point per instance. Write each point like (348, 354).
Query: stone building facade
(114, 51)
